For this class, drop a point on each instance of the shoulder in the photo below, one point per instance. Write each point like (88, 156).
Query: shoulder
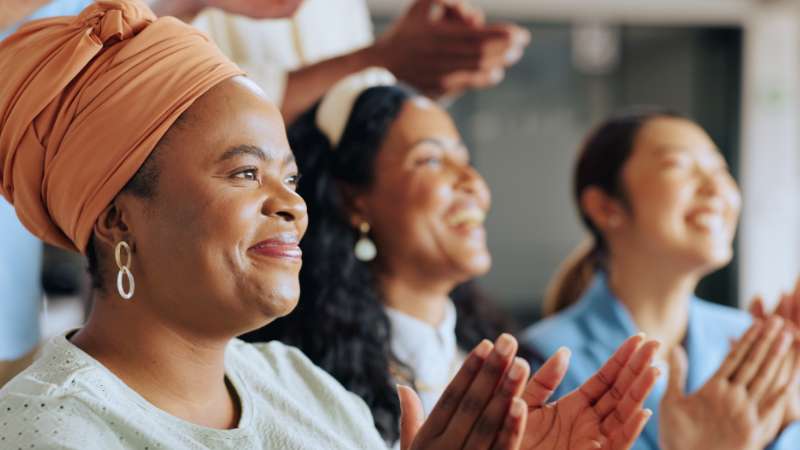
(565, 329)
(52, 420)
(292, 370)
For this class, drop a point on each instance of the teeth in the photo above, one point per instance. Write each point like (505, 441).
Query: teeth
(471, 216)
(712, 222)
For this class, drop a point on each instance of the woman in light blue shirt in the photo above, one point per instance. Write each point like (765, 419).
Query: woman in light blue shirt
(662, 208)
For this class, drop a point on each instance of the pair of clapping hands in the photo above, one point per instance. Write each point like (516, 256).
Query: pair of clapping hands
(753, 395)
(492, 404)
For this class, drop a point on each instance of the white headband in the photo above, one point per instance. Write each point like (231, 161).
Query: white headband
(335, 108)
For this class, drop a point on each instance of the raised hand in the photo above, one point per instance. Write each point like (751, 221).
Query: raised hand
(789, 309)
(741, 407)
(604, 413)
(445, 47)
(480, 409)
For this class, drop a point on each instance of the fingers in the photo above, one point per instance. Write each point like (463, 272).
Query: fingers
(739, 351)
(625, 439)
(411, 415)
(421, 9)
(769, 371)
(632, 401)
(486, 428)
(759, 353)
(447, 404)
(480, 392)
(604, 379)
(510, 437)
(757, 309)
(635, 366)
(547, 379)
(678, 369)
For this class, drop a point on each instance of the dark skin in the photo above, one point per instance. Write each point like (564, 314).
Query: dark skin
(215, 254)
(426, 208)
(204, 275)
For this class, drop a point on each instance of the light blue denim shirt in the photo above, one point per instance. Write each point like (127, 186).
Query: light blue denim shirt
(20, 252)
(594, 327)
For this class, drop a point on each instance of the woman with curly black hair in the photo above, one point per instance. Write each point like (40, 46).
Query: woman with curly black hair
(395, 236)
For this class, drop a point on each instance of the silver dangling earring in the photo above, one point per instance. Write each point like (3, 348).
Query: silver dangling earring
(365, 249)
(124, 270)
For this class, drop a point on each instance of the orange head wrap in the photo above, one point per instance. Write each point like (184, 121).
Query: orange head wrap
(83, 102)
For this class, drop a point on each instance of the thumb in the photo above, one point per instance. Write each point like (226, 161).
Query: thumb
(411, 415)
(677, 374)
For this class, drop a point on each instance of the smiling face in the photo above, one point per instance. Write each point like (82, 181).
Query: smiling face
(683, 202)
(217, 244)
(427, 204)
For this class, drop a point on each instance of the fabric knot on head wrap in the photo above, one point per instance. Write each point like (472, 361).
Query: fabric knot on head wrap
(110, 20)
(84, 101)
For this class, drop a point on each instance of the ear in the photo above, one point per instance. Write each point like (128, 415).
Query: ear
(606, 212)
(355, 205)
(112, 226)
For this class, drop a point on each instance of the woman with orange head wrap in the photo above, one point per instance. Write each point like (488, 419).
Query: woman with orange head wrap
(134, 141)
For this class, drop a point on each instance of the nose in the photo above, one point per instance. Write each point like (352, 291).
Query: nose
(471, 182)
(285, 204)
(721, 184)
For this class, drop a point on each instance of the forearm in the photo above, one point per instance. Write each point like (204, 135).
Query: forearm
(185, 10)
(305, 86)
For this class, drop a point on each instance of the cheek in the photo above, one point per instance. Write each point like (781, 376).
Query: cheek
(662, 204)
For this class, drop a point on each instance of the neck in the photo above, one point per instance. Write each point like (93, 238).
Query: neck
(180, 372)
(656, 297)
(425, 301)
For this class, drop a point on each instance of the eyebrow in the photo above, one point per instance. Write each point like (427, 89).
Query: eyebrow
(258, 152)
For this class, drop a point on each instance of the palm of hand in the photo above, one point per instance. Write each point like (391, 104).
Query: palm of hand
(733, 418)
(570, 423)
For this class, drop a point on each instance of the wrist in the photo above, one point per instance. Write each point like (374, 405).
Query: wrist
(370, 56)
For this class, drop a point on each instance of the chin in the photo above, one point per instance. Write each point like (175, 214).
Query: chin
(476, 266)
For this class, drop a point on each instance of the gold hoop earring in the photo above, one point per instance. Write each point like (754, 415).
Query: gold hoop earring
(124, 270)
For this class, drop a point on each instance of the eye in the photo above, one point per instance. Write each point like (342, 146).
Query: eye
(432, 161)
(293, 180)
(677, 161)
(249, 174)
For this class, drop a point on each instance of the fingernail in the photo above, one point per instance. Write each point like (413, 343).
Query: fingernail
(516, 371)
(483, 349)
(513, 55)
(567, 352)
(521, 37)
(648, 412)
(642, 335)
(504, 345)
(496, 75)
(517, 408)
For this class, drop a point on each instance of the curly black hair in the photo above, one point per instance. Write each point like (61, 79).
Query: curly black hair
(340, 322)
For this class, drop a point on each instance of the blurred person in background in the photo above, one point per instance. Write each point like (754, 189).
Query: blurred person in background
(440, 47)
(662, 209)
